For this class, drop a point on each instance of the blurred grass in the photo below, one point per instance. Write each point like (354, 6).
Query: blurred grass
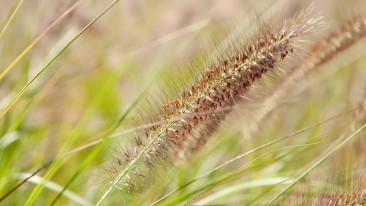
(88, 88)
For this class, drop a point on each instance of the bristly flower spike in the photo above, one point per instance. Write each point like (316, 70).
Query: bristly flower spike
(201, 105)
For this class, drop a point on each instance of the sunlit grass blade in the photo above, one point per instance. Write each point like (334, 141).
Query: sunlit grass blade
(38, 189)
(5, 17)
(37, 39)
(257, 149)
(321, 160)
(11, 18)
(239, 170)
(243, 186)
(3, 112)
(105, 139)
(233, 174)
(57, 188)
(77, 131)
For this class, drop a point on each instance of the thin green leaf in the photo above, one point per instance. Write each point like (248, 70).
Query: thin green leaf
(321, 160)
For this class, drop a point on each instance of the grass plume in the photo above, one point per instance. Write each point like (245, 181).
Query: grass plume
(220, 86)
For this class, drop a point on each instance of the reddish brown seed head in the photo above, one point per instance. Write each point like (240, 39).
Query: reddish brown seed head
(165, 106)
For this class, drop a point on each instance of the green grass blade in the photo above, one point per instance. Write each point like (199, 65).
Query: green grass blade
(321, 160)
(244, 186)
(53, 169)
(3, 112)
(32, 44)
(2, 22)
(11, 18)
(56, 187)
(105, 138)
(257, 149)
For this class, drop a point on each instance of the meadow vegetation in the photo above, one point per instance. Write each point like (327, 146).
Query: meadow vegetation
(182, 102)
